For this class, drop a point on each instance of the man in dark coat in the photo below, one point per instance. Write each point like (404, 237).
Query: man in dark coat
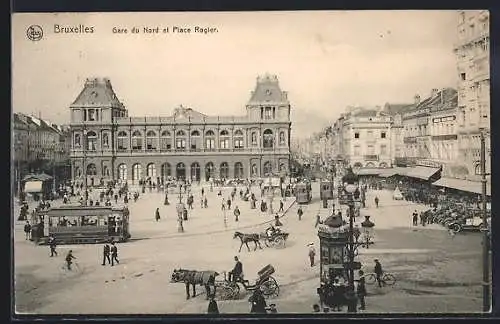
(236, 214)
(114, 254)
(27, 230)
(157, 214)
(52, 245)
(378, 272)
(300, 212)
(361, 290)
(237, 270)
(106, 253)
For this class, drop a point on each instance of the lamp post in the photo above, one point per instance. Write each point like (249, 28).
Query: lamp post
(350, 181)
(486, 256)
(367, 226)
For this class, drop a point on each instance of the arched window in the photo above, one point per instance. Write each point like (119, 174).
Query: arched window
(136, 141)
(224, 170)
(282, 138)
(195, 140)
(78, 172)
(91, 141)
(195, 171)
(78, 140)
(268, 169)
(238, 139)
(210, 140)
(151, 141)
(136, 172)
(209, 171)
(122, 172)
(91, 169)
(254, 139)
(238, 170)
(268, 138)
(224, 139)
(105, 171)
(165, 141)
(151, 171)
(122, 141)
(105, 139)
(180, 171)
(180, 140)
(255, 171)
(166, 171)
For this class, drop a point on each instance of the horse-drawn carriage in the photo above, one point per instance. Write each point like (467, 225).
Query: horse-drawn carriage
(272, 237)
(226, 289)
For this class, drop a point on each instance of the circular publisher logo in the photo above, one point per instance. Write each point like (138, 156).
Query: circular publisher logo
(34, 33)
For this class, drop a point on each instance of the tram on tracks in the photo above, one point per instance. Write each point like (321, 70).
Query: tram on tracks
(303, 192)
(326, 190)
(79, 225)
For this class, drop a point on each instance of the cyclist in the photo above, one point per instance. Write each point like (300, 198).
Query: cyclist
(69, 258)
(378, 272)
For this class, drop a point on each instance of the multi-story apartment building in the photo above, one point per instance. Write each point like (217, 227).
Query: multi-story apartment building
(107, 144)
(473, 67)
(365, 137)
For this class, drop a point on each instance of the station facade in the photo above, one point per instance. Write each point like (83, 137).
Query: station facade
(107, 144)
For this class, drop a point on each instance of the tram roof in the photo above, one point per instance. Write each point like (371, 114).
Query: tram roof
(83, 211)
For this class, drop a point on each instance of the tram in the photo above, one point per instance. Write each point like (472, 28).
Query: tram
(77, 225)
(303, 192)
(326, 190)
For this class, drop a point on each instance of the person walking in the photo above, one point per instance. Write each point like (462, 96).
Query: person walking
(236, 213)
(415, 218)
(318, 220)
(376, 201)
(281, 210)
(27, 230)
(361, 290)
(258, 302)
(165, 202)
(52, 245)
(69, 259)
(228, 203)
(157, 214)
(223, 207)
(213, 308)
(300, 213)
(312, 253)
(378, 272)
(205, 202)
(114, 254)
(105, 254)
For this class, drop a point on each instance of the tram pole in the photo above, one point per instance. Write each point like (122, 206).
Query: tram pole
(486, 263)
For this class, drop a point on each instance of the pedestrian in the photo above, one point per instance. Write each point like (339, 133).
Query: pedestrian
(27, 230)
(212, 306)
(228, 203)
(361, 290)
(236, 213)
(312, 253)
(277, 222)
(52, 245)
(157, 214)
(201, 202)
(378, 272)
(376, 201)
(223, 207)
(202, 191)
(105, 254)
(300, 213)
(116, 199)
(114, 254)
(258, 302)
(415, 218)
(281, 207)
(422, 218)
(69, 259)
(318, 220)
(205, 202)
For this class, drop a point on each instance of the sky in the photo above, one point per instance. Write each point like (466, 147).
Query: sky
(326, 60)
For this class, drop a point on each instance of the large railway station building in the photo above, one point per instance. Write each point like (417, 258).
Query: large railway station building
(107, 144)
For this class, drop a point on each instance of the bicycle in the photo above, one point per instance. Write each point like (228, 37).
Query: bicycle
(388, 279)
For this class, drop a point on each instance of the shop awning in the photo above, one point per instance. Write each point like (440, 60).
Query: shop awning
(368, 171)
(33, 186)
(420, 172)
(463, 185)
(386, 173)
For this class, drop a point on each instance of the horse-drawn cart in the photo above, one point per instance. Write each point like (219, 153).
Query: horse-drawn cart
(276, 239)
(226, 289)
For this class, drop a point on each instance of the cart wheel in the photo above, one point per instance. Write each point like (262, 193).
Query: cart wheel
(279, 242)
(456, 228)
(235, 291)
(270, 288)
(224, 292)
(370, 279)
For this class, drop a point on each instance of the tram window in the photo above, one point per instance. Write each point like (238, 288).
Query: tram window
(54, 221)
(102, 222)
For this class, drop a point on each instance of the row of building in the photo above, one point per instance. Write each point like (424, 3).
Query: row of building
(39, 146)
(108, 144)
(442, 129)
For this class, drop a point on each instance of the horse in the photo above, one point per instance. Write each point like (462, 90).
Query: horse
(245, 238)
(194, 277)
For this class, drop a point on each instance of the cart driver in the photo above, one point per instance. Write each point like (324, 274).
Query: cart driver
(271, 231)
(237, 271)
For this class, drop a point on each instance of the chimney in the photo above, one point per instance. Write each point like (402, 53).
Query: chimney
(434, 93)
(417, 99)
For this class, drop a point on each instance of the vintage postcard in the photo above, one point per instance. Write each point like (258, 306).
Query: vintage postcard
(251, 162)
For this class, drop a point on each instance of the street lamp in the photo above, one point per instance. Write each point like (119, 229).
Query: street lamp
(486, 239)
(367, 226)
(350, 181)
